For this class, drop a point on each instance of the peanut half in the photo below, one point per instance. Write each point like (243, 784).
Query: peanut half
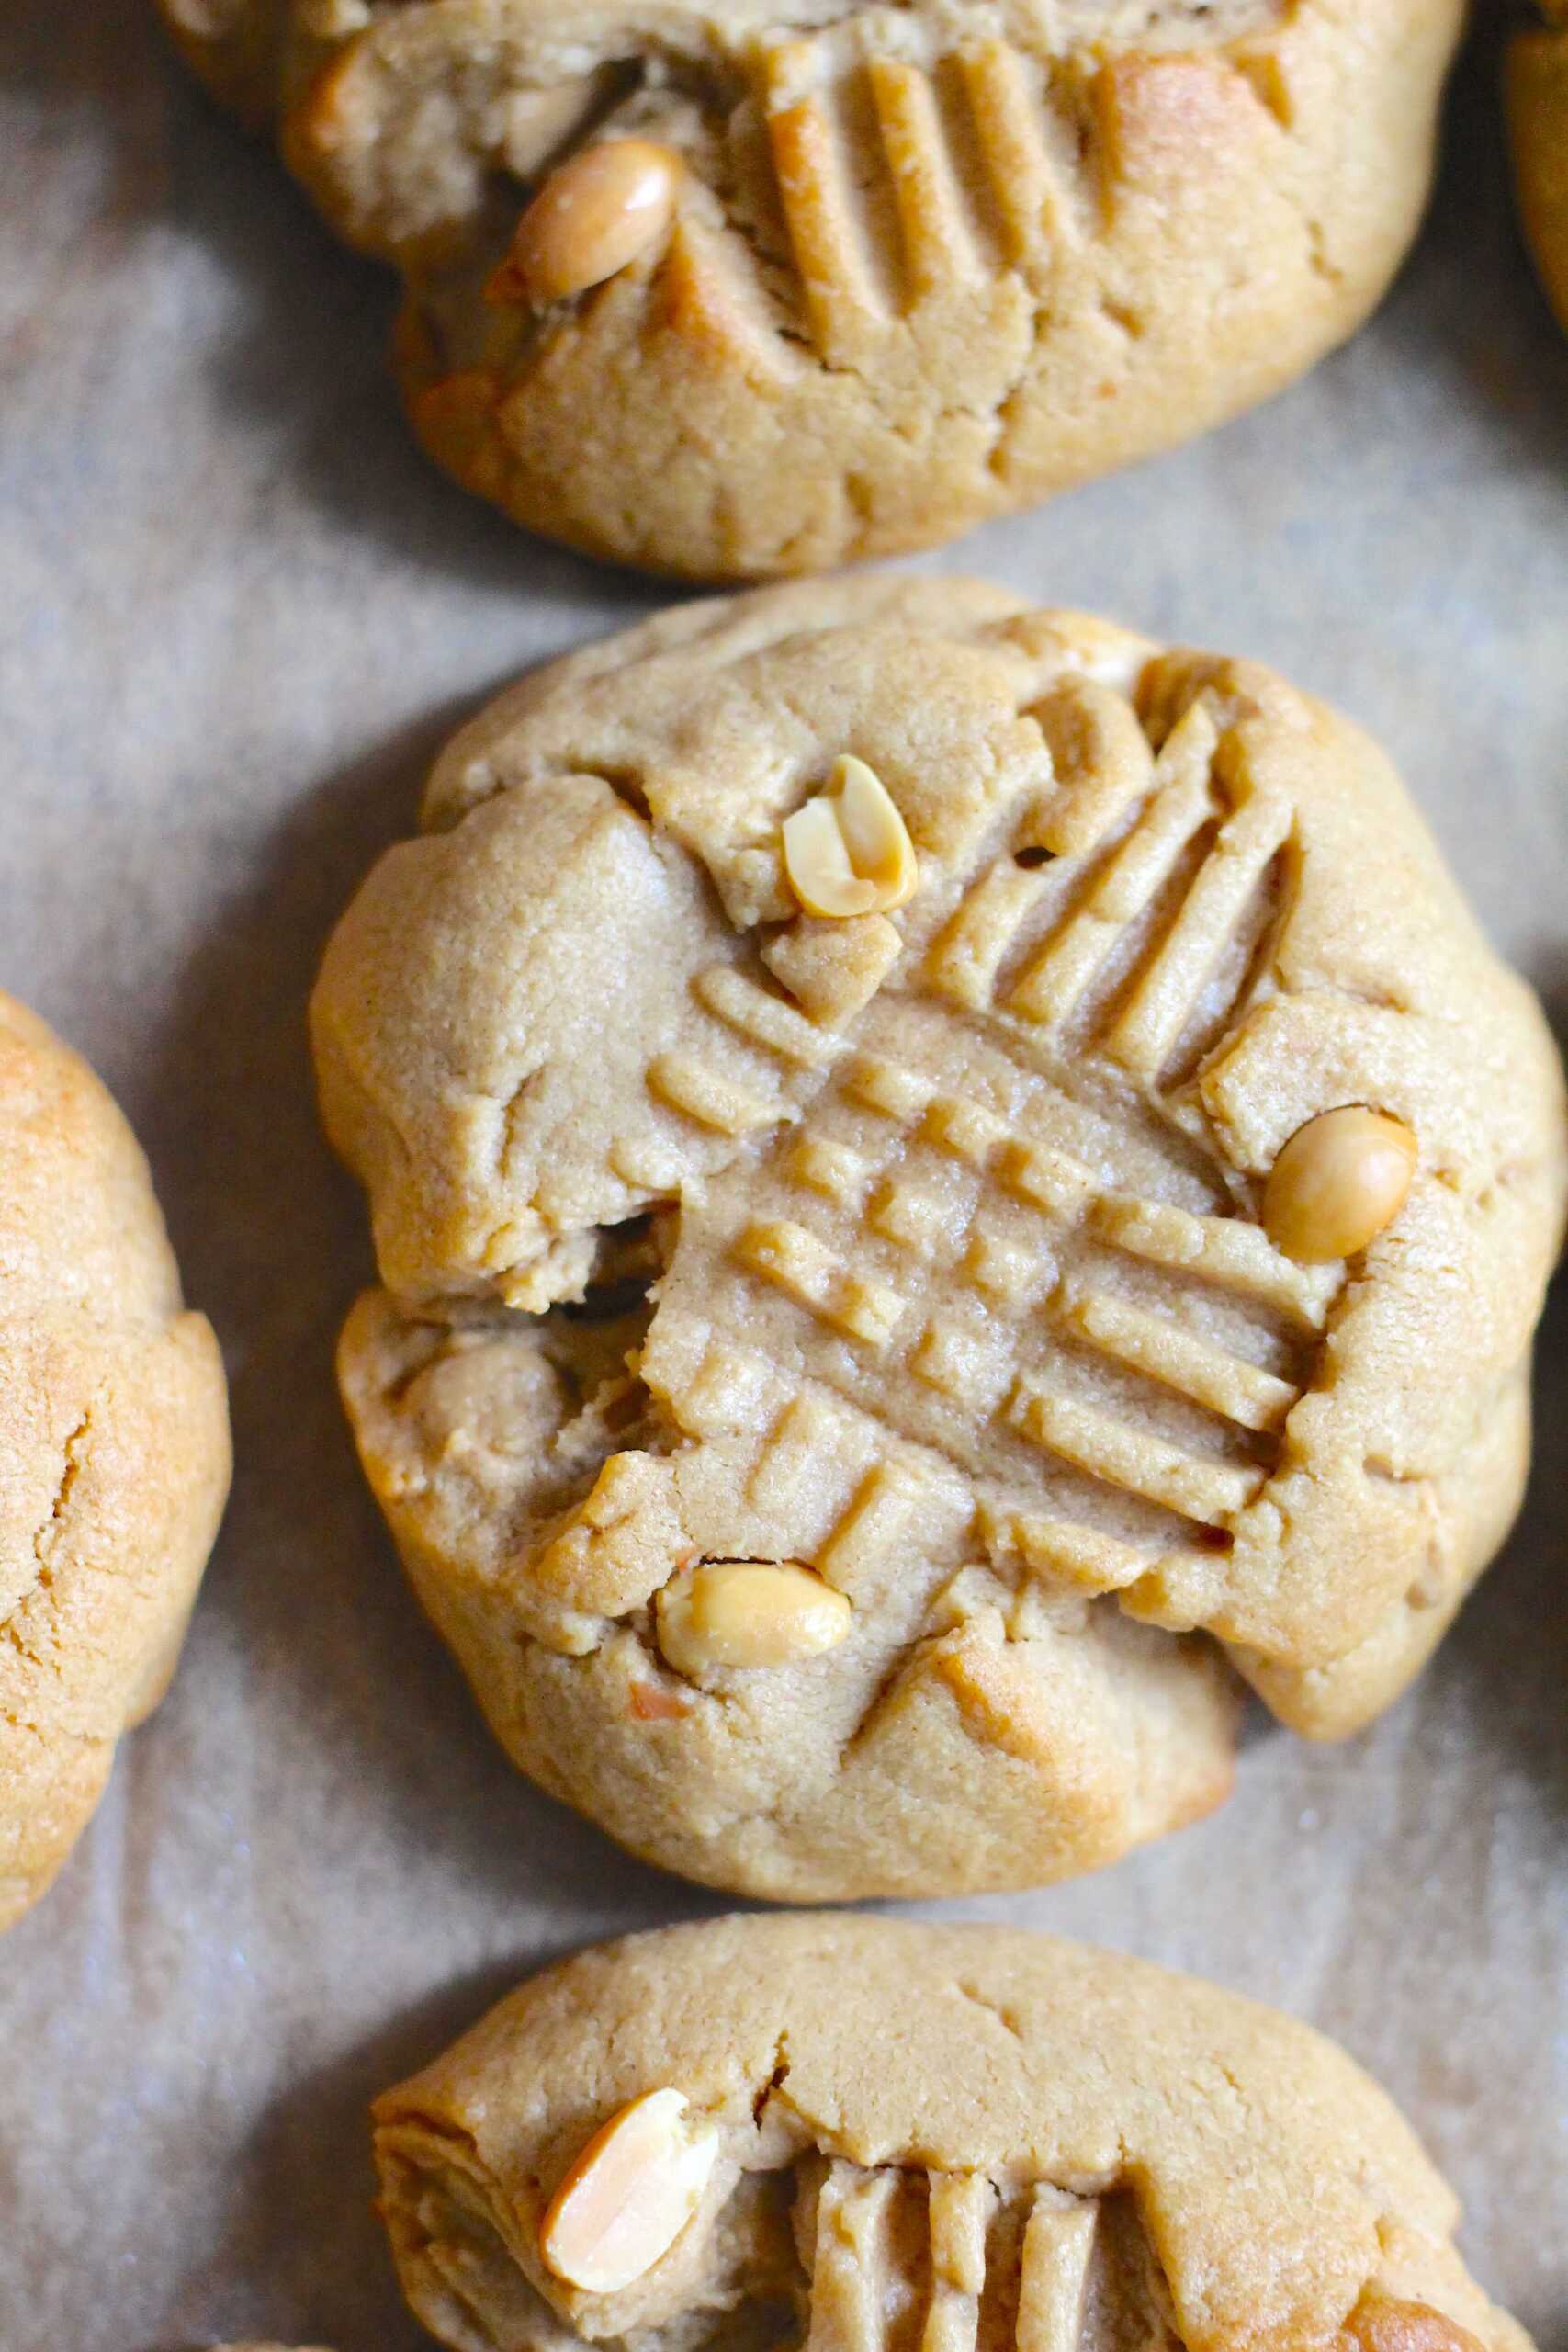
(628, 2193)
(848, 852)
(1338, 1182)
(592, 217)
(748, 1613)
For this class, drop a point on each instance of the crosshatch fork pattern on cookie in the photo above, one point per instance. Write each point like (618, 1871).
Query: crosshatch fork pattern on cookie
(947, 2260)
(963, 1264)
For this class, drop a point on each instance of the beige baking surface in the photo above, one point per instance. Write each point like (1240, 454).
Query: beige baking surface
(238, 613)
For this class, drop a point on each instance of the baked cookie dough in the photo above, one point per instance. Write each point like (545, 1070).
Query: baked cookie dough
(1537, 105)
(867, 2135)
(114, 1449)
(796, 281)
(846, 1385)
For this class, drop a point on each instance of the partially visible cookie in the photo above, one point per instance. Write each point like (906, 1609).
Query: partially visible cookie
(873, 2136)
(114, 1449)
(851, 1385)
(1538, 106)
(803, 280)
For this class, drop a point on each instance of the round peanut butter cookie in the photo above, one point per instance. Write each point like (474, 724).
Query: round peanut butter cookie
(1537, 105)
(114, 1449)
(873, 2136)
(742, 290)
(939, 1172)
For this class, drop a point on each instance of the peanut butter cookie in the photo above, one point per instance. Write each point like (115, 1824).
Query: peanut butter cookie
(745, 289)
(1537, 105)
(939, 1172)
(867, 2134)
(113, 1443)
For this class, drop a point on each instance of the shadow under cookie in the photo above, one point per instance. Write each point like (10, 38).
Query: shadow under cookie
(1537, 110)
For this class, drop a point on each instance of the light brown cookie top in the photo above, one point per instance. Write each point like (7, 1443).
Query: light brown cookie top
(1537, 110)
(969, 1227)
(114, 1449)
(896, 2135)
(888, 269)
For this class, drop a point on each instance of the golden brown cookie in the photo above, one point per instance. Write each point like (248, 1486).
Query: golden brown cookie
(845, 1385)
(114, 1449)
(869, 2135)
(1538, 107)
(900, 267)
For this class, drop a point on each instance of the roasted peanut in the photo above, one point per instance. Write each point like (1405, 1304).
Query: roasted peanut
(593, 216)
(848, 852)
(1338, 1182)
(749, 1612)
(628, 2193)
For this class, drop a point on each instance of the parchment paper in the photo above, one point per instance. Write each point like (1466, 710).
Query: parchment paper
(240, 613)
